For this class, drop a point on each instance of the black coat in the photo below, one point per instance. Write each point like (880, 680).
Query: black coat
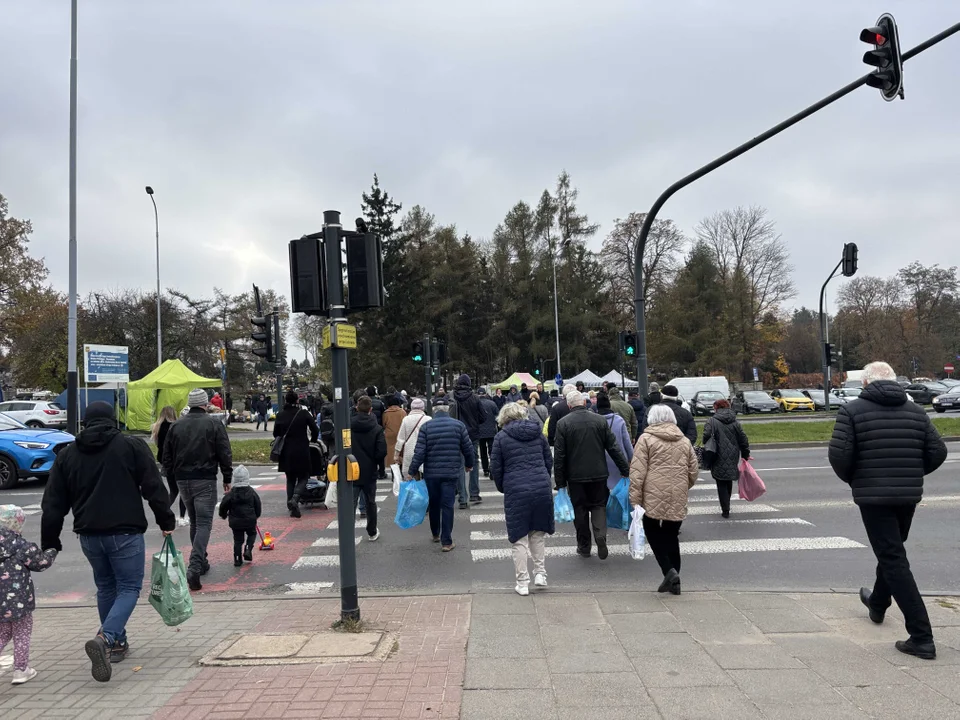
(685, 421)
(732, 445)
(468, 410)
(883, 445)
(559, 411)
(294, 422)
(242, 504)
(196, 446)
(582, 443)
(378, 408)
(488, 428)
(103, 478)
(640, 410)
(369, 445)
(162, 438)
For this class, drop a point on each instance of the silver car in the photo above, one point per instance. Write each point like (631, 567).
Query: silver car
(36, 413)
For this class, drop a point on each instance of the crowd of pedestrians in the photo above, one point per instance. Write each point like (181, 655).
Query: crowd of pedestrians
(883, 446)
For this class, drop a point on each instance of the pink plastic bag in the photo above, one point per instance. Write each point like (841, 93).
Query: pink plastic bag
(750, 486)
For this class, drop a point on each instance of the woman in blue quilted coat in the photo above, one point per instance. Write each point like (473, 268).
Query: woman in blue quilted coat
(520, 464)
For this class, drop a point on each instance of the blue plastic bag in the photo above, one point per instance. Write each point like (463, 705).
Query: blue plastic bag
(412, 504)
(562, 507)
(618, 506)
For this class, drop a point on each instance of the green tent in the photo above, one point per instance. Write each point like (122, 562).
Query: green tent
(169, 384)
(518, 379)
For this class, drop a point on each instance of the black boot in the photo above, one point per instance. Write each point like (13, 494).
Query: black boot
(237, 560)
(293, 505)
(875, 615)
(248, 553)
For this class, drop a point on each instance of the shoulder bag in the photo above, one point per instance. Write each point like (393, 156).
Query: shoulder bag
(276, 445)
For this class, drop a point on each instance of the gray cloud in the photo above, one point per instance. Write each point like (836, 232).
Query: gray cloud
(251, 118)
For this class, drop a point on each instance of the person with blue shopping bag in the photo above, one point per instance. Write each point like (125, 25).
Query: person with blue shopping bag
(663, 469)
(443, 450)
(520, 464)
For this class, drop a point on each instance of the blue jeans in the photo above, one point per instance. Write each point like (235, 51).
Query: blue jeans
(442, 494)
(117, 562)
(200, 497)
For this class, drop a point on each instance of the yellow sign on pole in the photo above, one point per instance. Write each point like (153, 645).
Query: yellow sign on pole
(346, 438)
(325, 338)
(346, 336)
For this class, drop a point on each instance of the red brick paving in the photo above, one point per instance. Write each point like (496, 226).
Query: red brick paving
(423, 679)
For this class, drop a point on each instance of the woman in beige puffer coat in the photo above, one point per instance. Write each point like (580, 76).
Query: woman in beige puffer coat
(663, 469)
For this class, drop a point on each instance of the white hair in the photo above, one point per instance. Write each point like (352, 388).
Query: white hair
(661, 414)
(878, 371)
(567, 389)
(510, 412)
(576, 399)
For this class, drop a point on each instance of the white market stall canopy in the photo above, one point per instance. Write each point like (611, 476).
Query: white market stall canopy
(588, 378)
(619, 380)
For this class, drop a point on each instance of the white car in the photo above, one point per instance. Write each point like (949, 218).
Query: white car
(35, 413)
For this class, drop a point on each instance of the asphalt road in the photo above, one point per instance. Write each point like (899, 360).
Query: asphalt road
(805, 533)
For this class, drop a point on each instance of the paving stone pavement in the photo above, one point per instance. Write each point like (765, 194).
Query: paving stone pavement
(565, 656)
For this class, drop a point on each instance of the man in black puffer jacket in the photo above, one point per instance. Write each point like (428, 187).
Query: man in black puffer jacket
(685, 421)
(370, 448)
(883, 444)
(378, 410)
(467, 409)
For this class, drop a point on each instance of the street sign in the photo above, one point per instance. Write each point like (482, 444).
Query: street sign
(106, 363)
(339, 335)
(756, 375)
(558, 379)
(948, 368)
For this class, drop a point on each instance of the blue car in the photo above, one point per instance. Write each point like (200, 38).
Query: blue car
(25, 452)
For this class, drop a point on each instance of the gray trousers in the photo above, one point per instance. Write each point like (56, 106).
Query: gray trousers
(200, 497)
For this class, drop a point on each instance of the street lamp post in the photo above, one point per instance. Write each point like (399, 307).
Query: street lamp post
(156, 223)
(556, 307)
(73, 388)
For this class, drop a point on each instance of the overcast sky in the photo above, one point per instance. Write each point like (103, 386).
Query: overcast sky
(249, 118)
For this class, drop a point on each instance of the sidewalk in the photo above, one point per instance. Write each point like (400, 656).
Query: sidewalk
(499, 656)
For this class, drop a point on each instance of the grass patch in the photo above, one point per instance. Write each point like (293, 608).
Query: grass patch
(785, 431)
(947, 604)
(251, 452)
(349, 626)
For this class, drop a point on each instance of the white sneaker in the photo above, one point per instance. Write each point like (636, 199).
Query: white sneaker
(540, 580)
(374, 537)
(22, 676)
(183, 522)
(522, 590)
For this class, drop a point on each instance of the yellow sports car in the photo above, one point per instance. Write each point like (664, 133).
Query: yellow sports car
(792, 400)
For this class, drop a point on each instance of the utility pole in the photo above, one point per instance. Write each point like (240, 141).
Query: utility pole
(73, 386)
(872, 79)
(278, 358)
(428, 374)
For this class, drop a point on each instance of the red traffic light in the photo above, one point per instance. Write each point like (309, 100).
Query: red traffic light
(874, 36)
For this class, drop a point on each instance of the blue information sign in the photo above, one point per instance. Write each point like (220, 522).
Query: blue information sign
(106, 363)
(558, 379)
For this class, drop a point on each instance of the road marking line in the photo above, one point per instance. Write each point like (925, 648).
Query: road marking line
(697, 547)
(734, 509)
(711, 499)
(331, 542)
(933, 499)
(307, 561)
(307, 588)
(488, 536)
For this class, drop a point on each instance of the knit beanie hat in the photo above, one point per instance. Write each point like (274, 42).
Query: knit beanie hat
(464, 380)
(98, 410)
(241, 476)
(197, 398)
(670, 391)
(12, 517)
(416, 404)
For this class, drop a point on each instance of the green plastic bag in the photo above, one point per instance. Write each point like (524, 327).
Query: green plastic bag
(169, 593)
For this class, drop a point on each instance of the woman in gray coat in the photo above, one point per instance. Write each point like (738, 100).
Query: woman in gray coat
(732, 444)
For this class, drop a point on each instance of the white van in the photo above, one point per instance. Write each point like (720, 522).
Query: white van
(690, 386)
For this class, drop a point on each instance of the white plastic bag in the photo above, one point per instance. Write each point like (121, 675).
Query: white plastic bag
(331, 499)
(636, 536)
(397, 479)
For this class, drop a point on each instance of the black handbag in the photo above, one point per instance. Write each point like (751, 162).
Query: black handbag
(276, 445)
(707, 453)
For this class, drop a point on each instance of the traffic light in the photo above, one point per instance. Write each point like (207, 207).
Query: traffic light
(629, 344)
(849, 259)
(831, 353)
(279, 356)
(441, 352)
(417, 351)
(263, 333)
(885, 56)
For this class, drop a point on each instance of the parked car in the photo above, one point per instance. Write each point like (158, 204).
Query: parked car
(817, 396)
(702, 402)
(924, 393)
(949, 400)
(792, 400)
(754, 401)
(848, 393)
(36, 413)
(949, 382)
(27, 452)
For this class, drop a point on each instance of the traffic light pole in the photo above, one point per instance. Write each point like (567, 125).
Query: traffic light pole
(349, 602)
(428, 375)
(278, 353)
(824, 339)
(642, 368)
